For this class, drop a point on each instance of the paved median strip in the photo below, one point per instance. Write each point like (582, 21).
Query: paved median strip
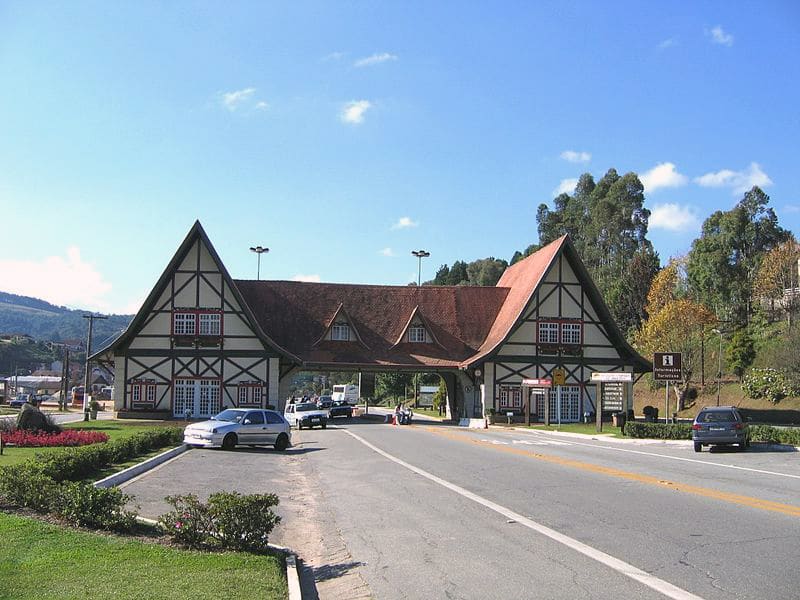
(749, 501)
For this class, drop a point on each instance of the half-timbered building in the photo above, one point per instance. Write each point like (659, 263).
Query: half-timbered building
(203, 341)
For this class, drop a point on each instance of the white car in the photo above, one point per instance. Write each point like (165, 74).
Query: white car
(306, 414)
(240, 426)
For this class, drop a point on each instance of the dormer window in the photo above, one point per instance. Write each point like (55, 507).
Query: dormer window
(184, 323)
(340, 332)
(548, 332)
(416, 333)
(203, 326)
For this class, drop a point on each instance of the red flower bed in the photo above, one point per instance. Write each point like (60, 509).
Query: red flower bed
(68, 437)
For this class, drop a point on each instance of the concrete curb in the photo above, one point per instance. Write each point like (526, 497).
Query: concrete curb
(131, 472)
(292, 574)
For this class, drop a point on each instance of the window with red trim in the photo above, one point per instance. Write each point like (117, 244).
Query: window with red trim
(571, 333)
(250, 393)
(548, 332)
(142, 392)
(196, 322)
(510, 397)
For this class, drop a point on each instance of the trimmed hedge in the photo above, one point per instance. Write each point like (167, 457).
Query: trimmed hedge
(659, 431)
(683, 431)
(72, 464)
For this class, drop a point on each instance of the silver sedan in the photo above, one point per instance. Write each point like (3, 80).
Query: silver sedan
(240, 426)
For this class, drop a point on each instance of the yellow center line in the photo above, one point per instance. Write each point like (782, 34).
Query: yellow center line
(749, 501)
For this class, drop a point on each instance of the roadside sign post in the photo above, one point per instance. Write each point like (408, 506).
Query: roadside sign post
(667, 367)
(610, 393)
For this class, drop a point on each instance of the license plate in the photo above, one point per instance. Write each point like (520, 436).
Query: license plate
(716, 429)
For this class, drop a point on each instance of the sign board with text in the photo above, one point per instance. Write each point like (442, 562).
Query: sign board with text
(537, 382)
(615, 376)
(667, 366)
(612, 396)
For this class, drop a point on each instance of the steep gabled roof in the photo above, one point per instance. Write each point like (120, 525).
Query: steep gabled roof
(524, 278)
(195, 233)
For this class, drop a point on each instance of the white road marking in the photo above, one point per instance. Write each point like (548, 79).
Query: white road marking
(659, 585)
(691, 460)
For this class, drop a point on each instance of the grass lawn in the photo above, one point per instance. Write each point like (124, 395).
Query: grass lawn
(115, 430)
(39, 560)
(430, 412)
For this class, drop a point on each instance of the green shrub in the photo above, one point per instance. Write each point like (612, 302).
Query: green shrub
(767, 383)
(659, 431)
(243, 522)
(229, 521)
(84, 505)
(775, 435)
(27, 486)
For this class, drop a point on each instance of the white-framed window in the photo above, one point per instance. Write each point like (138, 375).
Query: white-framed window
(548, 332)
(416, 333)
(258, 393)
(570, 333)
(243, 394)
(184, 323)
(250, 393)
(570, 404)
(142, 391)
(199, 397)
(510, 397)
(210, 323)
(340, 332)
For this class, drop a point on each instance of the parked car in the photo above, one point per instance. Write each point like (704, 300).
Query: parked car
(718, 426)
(306, 414)
(340, 409)
(240, 426)
(19, 400)
(325, 402)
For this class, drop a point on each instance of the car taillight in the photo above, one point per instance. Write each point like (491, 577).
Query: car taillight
(697, 427)
(738, 426)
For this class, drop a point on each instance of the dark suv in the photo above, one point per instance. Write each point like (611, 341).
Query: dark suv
(720, 425)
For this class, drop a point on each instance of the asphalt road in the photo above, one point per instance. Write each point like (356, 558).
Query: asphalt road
(433, 511)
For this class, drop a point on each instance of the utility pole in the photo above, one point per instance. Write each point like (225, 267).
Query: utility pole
(86, 375)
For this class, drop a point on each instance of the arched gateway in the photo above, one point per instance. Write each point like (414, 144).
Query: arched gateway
(203, 341)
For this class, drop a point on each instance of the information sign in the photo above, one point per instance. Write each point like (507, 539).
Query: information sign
(667, 366)
(613, 396)
(614, 376)
(537, 382)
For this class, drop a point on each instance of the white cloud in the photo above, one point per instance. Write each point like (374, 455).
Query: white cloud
(353, 112)
(738, 181)
(576, 157)
(375, 59)
(386, 252)
(262, 105)
(673, 217)
(720, 36)
(404, 223)
(668, 43)
(567, 186)
(60, 280)
(663, 175)
(307, 278)
(233, 100)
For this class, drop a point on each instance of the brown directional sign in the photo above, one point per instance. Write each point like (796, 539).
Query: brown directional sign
(667, 366)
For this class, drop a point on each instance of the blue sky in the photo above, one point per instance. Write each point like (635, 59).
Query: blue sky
(344, 135)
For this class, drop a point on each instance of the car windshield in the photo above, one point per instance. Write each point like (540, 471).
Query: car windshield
(305, 407)
(233, 416)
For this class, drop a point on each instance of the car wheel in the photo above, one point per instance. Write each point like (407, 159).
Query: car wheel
(698, 447)
(324, 425)
(282, 442)
(742, 446)
(229, 442)
(747, 443)
(350, 415)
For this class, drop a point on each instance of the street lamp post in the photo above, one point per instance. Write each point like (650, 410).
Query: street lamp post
(86, 373)
(420, 254)
(259, 250)
(719, 361)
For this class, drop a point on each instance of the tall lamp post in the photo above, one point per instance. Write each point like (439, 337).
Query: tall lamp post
(420, 254)
(259, 250)
(719, 361)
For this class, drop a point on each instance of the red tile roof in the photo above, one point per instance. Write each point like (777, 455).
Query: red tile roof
(296, 315)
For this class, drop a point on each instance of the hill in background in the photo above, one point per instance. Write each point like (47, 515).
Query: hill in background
(44, 321)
